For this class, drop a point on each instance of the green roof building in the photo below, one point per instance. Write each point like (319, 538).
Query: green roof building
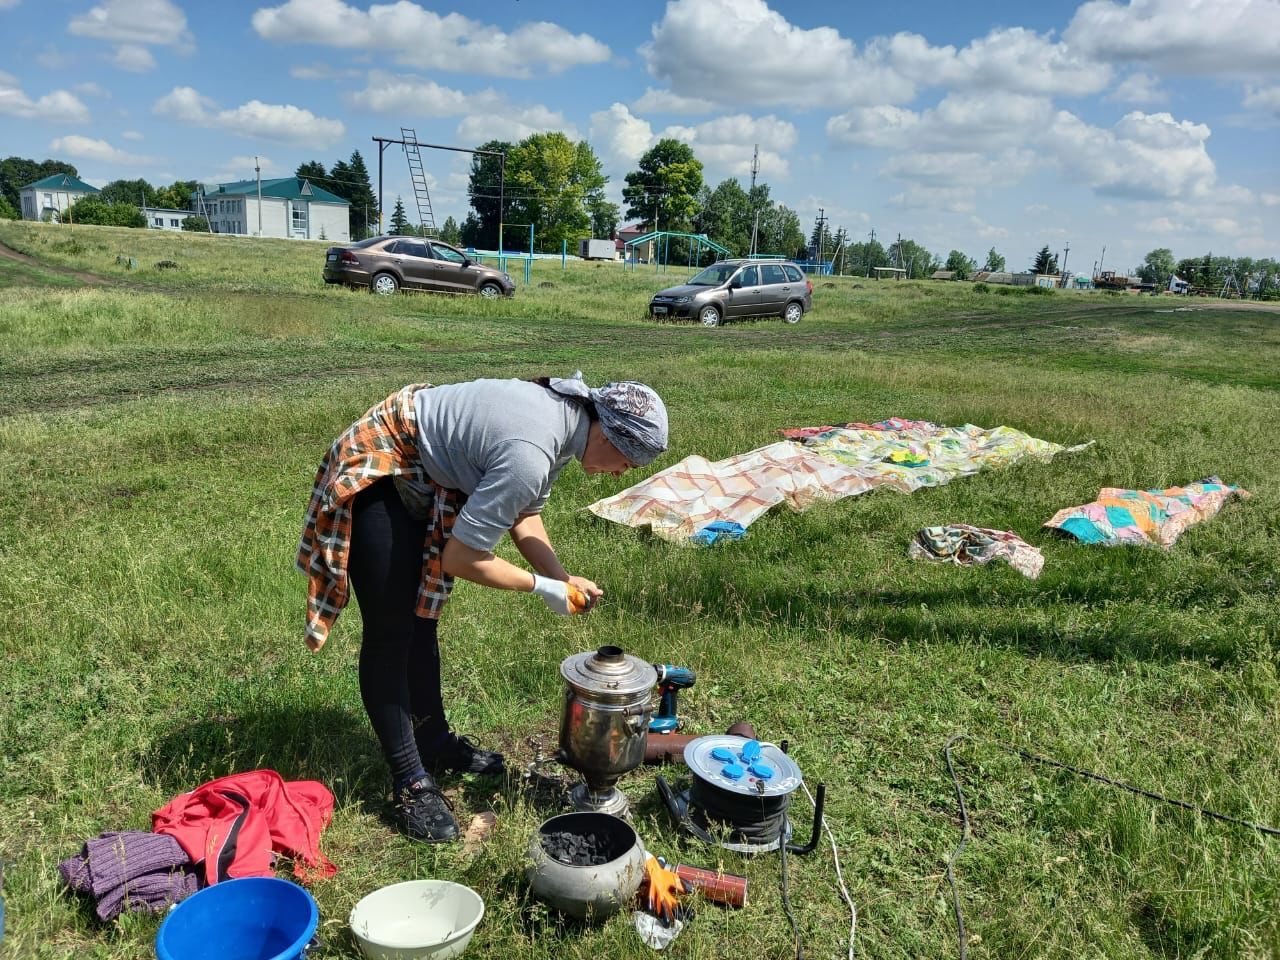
(291, 207)
(52, 195)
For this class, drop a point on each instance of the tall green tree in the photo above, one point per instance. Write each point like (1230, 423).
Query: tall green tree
(1045, 261)
(995, 262)
(604, 217)
(864, 256)
(480, 229)
(961, 264)
(17, 172)
(364, 202)
(552, 180)
(7, 210)
(780, 231)
(1157, 267)
(137, 192)
(176, 196)
(665, 185)
(399, 222)
(724, 214)
(449, 231)
(314, 170)
(912, 257)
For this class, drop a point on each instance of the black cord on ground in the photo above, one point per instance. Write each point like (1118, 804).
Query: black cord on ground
(955, 854)
(1078, 771)
(786, 901)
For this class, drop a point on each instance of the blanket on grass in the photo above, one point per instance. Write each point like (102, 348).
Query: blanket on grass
(1145, 517)
(962, 544)
(824, 464)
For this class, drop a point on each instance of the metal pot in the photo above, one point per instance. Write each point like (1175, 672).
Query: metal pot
(590, 893)
(604, 723)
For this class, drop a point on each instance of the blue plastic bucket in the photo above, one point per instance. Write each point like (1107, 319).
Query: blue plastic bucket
(255, 918)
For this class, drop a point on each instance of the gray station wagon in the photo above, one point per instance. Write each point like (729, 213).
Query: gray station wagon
(390, 264)
(736, 289)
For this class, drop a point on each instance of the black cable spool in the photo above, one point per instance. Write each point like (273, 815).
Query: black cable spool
(758, 821)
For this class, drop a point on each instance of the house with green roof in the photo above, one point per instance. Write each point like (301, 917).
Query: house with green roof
(52, 195)
(290, 207)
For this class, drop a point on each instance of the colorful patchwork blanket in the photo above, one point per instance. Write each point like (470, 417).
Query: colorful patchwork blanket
(962, 544)
(1147, 517)
(824, 464)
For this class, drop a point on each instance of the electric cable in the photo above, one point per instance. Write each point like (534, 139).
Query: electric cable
(955, 854)
(786, 901)
(758, 820)
(1078, 771)
(844, 891)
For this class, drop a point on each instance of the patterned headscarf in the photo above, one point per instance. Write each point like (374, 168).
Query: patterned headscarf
(632, 415)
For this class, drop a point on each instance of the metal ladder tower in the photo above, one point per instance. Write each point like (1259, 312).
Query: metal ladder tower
(418, 177)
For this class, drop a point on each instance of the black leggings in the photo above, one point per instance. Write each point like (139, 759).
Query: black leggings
(399, 655)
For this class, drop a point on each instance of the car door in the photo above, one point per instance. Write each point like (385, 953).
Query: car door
(774, 288)
(743, 298)
(448, 269)
(415, 264)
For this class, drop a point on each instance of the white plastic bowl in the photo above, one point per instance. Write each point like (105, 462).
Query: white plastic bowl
(417, 919)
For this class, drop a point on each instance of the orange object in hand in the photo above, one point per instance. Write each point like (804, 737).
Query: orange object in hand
(578, 601)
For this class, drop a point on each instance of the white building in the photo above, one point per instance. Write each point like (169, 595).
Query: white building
(52, 195)
(291, 207)
(164, 218)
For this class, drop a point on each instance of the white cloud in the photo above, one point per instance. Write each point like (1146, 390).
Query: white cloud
(91, 89)
(725, 144)
(418, 97)
(960, 121)
(923, 197)
(281, 122)
(664, 101)
(743, 52)
(986, 230)
(240, 167)
(422, 38)
(1138, 88)
(60, 106)
(86, 148)
(134, 21)
(514, 123)
(1270, 199)
(131, 135)
(950, 168)
(1143, 155)
(1263, 98)
(134, 58)
(9, 4)
(1204, 36)
(51, 58)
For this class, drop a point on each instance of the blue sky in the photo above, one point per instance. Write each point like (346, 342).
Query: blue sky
(1125, 123)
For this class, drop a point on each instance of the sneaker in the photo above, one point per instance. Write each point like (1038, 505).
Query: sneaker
(461, 755)
(423, 813)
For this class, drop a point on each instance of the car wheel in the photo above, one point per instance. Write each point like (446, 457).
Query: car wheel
(709, 316)
(793, 312)
(491, 291)
(385, 283)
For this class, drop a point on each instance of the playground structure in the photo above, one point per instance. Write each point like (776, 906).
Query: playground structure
(660, 247)
(821, 268)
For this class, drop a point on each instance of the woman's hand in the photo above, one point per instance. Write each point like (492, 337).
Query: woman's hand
(589, 589)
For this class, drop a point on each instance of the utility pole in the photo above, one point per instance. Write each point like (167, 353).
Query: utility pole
(871, 241)
(755, 214)
(1065, 253)
(1102, 258)
(898, 247)
(257, 168)
(822, 230)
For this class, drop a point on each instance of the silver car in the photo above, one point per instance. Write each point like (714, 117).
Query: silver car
(736, 289)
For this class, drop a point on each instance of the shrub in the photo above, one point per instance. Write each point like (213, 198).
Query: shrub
(981, 287)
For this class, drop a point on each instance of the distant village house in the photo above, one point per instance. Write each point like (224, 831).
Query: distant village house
(50, 197)
(291, 208)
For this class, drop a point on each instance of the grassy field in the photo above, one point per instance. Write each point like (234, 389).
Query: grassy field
(158, 437)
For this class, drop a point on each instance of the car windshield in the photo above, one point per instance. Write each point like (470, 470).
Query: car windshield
(714, 275)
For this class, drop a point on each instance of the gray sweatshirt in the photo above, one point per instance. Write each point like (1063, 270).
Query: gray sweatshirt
(501, 442)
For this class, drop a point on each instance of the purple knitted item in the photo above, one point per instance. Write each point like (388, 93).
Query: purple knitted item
(135, 871)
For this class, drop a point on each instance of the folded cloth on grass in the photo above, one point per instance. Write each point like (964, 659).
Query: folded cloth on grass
(1146, 517)
(233, 826)
(962, 544)
(130, 871)
(829, 465)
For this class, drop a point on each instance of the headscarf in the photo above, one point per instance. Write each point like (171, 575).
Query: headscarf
(631, 415)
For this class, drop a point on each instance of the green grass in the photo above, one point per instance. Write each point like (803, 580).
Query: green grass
(157, 443)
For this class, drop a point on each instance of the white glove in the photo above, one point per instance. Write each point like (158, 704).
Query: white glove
(554, 593)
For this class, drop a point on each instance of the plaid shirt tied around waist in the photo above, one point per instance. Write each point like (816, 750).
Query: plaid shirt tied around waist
(382, 443)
